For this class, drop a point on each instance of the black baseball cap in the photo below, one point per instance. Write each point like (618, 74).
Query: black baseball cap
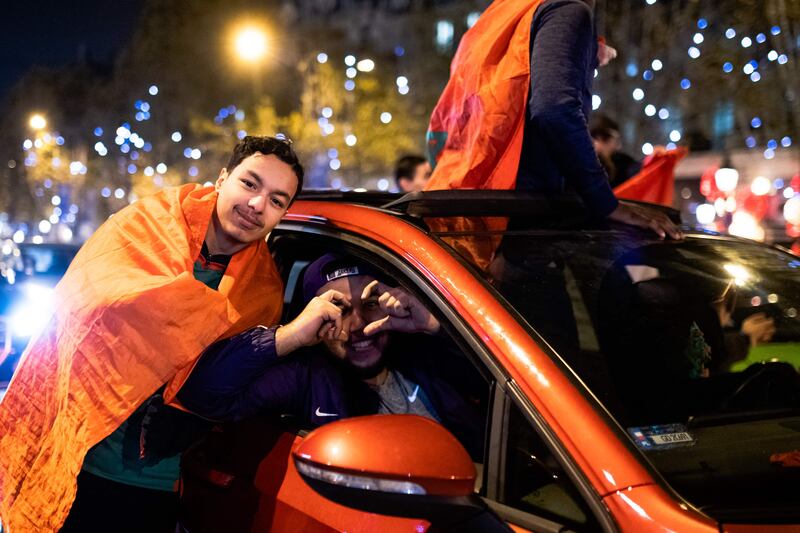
(334, 266)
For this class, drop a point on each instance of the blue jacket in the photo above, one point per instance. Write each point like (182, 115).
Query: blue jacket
(242, 376)
(557, 150)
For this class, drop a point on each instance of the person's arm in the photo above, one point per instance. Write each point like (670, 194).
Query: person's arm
(561, 56)
(241, 376)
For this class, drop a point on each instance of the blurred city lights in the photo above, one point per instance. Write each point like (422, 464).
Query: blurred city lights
(726, 179)
(760, 186)
(791, 210)
(705, 214)
(745, 225)
(366, 65)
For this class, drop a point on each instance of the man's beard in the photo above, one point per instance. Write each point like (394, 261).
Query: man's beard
(363, 372)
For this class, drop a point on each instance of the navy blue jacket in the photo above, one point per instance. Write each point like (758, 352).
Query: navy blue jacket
(557, 150)
(242, 376)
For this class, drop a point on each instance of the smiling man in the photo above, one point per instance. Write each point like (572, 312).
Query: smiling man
(384, 356)
(152, 288)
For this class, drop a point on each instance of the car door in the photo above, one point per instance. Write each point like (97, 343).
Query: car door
(244, 478)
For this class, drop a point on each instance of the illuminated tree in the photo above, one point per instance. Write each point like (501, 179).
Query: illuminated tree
(722, 75)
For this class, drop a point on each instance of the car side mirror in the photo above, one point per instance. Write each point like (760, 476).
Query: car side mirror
(398, 465)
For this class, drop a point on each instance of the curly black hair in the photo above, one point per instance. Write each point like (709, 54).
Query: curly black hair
(280, 148)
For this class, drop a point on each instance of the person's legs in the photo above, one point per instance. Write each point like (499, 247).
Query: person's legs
(105, 505)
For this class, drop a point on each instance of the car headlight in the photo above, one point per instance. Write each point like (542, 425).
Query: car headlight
(33, 313)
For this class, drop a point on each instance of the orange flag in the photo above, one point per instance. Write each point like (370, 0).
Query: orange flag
(130, 317)
(655, 183)
(475, 133)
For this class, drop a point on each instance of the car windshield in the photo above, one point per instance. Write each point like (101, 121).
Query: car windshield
(692, 346)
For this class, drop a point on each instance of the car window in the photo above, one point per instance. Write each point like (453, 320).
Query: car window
(437, 374)
(533, 480)
(692, 346)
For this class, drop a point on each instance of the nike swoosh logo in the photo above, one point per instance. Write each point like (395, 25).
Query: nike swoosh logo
(320, 413)
(413, 397)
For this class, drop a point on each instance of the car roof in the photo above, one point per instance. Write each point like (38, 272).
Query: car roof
(450, 203)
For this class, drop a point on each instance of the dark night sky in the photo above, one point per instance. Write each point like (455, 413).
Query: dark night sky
(51, 33)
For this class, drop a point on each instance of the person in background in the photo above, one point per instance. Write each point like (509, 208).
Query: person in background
(412, 173)
(515, 112)
(607, 140)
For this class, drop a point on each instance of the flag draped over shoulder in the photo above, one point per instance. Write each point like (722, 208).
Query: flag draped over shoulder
(475, 133)
(655, 183)
(130, 317)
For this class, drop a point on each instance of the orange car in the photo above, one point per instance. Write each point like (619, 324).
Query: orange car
(626, 383)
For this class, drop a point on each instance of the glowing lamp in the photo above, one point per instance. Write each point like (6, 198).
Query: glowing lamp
(760, 186)
(251, 44)
(791, 211)
(37, 122)
(706, 214)
(726, 179)
(745, 225)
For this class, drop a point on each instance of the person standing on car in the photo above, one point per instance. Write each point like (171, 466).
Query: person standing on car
(515, 112)
(156, 284)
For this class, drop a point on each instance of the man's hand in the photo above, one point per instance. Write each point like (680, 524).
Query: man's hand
(605, 54)
(404, 312)
(322, 318)
(759, 328)
(644, 217)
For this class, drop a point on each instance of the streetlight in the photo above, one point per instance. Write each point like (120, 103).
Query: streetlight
(37, 121)
(250, 44)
